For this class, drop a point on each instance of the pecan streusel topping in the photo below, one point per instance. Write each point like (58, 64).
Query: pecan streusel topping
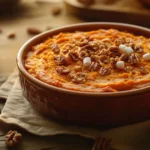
(93, 60)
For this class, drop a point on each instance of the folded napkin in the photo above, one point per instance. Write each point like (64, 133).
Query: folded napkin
(18, 111)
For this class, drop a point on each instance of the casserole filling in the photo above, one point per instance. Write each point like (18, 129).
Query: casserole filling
(93, 61)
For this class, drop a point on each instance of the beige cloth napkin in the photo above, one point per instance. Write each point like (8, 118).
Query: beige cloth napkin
(18, 111)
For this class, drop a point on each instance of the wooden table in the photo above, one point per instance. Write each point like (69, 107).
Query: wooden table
(31, 14)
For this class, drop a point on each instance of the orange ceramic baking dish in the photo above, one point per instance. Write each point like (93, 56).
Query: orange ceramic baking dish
(84, 107)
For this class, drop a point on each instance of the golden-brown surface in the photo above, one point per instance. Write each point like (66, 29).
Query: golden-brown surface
(97, 61)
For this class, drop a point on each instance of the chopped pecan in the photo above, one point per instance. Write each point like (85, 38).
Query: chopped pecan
(128, 40)
(33, 31)
(120, 41)
(62, 70)
(60, 60)
(65, 51)
(138, 48)
(77, 68)
(132, 45)
(104, 59)
(113, 62)
(13, 138)
(114, 51)
(103, 52)
(78, 77)
(124, 57)
(143, 70)
(83, 42)
(11, 35)
(55, 48)
(92, 46)
(74, 56)
(94, 57)
(104, 71)
(128, 69)
(102, 46)
(106, 42)
(67, 48)
(83, 54)
(133, 59)
(94, 66)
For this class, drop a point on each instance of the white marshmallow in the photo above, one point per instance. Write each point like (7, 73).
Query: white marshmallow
(122, 47)
(120, 64)
(87, 61)
(146, 56)
(129, 50)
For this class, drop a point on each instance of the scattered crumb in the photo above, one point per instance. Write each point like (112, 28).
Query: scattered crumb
(11, 35)
(56, 11)
(33, 31)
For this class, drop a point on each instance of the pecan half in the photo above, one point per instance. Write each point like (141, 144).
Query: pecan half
(124, 57)
(62, 70)
(114, 51)
(104, 71)
(55, 48)
(78, 77)
(13, 138)
(133, 59)
(94, 66)
(74, 56)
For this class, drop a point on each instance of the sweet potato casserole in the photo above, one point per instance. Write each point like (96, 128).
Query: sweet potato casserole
(92, 61)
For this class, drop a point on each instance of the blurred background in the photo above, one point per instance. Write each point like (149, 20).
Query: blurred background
(22, 19)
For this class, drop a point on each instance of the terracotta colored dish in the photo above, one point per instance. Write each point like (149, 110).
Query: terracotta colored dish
(89, 108)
